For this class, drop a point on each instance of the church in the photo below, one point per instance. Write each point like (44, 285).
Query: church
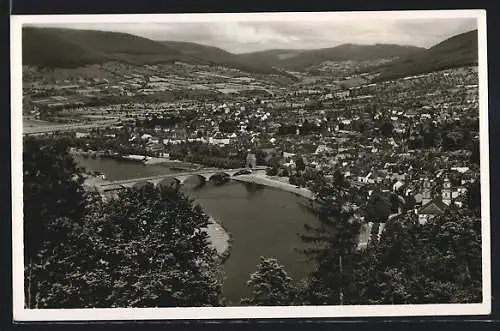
(433, 206)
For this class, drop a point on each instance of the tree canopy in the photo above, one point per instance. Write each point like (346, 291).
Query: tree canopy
(439, 262)
(52, 189)
(271, 285)
(144, 248)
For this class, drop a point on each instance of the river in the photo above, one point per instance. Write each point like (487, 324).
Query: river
(263, 221)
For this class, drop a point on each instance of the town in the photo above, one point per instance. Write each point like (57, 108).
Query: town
(414, 136)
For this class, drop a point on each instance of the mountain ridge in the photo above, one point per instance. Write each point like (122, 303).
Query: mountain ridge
(457, 51)
(301, 59)
(218, 56)
(64, 47)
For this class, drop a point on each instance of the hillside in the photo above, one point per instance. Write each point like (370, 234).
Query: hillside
(69, 48)
(301, 59)
(217, 56)
(457, 51)
(272, 57)
(54, 47)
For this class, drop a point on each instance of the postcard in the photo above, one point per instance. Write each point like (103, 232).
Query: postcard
(251, 165)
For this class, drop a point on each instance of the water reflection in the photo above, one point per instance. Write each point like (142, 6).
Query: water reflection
(253, 188)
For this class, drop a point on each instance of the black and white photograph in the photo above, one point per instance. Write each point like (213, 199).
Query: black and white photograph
(258, 165)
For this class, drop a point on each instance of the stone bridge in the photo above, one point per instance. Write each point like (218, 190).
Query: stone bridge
(180, 177)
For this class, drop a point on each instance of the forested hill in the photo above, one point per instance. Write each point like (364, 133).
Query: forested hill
(457, 51)
(62, 48)
(217, 56)
(301, 59)
(54, 47)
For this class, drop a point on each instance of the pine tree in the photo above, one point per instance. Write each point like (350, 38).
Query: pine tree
(333, 242)
(270, 284)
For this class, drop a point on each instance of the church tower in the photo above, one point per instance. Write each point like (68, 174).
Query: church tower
(426, 194)
(446, 191)
(251, 161)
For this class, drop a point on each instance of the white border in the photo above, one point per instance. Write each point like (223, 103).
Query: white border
(21, 314)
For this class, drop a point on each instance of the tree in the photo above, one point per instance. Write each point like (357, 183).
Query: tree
(154, 241)
(271, 285)
(300, 164)
(52, 189)
(144, 248)
(452, 140)
(473, 197)
(378, 208)
(386, 128)
(332, 244)
(439, 262)
(475, 155)
(429, 134)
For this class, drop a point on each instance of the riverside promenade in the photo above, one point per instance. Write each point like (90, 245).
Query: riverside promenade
(276, 182)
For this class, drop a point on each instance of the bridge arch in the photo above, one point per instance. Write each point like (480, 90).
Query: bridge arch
(220, 177)
(169, 182)
(142, 185)
(202, 177)
(205, 174)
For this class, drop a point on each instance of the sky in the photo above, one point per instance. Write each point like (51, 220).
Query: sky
(250, 36)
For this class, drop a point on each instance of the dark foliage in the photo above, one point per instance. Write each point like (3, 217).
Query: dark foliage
(51, 190)
(332, 243)
(411, 263)
(144, 248)
(270, 284)
(439, 262)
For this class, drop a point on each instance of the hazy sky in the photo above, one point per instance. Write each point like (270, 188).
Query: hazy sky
(239, 37)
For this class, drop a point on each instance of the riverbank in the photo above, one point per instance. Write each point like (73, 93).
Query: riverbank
(149, 160)
(276, 182)
(139, 159)
(219, 238)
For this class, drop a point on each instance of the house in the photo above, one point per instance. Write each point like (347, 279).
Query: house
(219, 141)
(82, 134)
(154, 140)
(430, 210)
(368, 179)
(342, 94)
(397, 185)
(323, 149)
(432, 207)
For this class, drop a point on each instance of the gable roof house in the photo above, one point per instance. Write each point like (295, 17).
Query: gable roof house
(430, 210)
